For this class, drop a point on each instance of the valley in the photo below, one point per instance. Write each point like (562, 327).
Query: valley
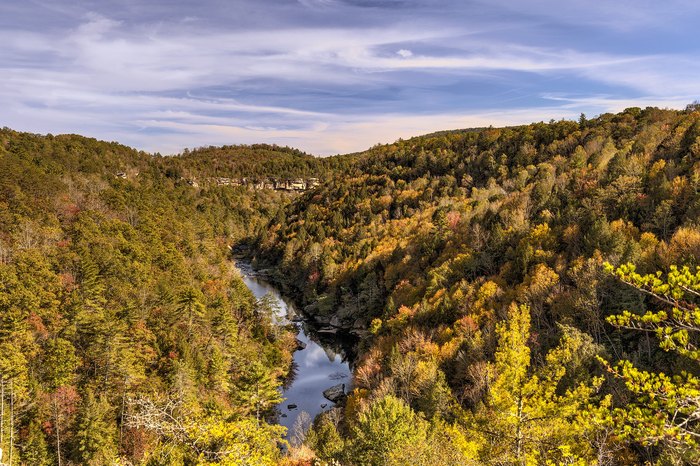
(516, 295)
(316, 366)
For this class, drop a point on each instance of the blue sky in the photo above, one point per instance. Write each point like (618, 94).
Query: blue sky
(333, 76)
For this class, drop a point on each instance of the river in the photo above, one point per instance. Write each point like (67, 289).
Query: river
(316, 367)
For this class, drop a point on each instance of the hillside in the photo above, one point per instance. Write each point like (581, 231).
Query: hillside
(125, 333)
(254, 166)
(519, 296)
(472, 264)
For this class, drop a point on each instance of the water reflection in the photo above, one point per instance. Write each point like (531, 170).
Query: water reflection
(315, 368)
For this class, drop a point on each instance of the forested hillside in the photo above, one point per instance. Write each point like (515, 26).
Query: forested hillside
(258, 161)
(522, 296)
(480, 269)
(125, 334)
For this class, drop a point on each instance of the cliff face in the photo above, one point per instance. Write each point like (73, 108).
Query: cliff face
(278, 184)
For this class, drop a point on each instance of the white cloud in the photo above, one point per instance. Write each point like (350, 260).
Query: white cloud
(98, 55)
(294, 85)
(313, 4)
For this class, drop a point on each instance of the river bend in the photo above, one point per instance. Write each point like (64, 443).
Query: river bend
(316, 367)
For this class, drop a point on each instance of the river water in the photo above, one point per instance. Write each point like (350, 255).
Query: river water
(316, 367)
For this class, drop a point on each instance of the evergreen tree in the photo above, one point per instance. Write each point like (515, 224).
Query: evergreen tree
(35, 449)
(189, 307)
(666, 407)
(257, 391)
(388, 433)
(529, 418)
(95, 437)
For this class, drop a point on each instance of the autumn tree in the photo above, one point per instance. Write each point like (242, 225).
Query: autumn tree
(529, 418)
(666, 407)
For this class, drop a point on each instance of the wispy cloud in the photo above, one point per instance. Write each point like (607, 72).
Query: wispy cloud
(330, 76)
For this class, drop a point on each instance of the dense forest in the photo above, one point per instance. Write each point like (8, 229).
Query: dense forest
(126, 336)
(257, 161)
(487, 274)
(520, 296)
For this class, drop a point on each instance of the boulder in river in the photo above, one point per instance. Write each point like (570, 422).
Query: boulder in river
(335, 393)
(300, 345)
(292, 406)
(323, 405)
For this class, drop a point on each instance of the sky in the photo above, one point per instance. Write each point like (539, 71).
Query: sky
(333, 76)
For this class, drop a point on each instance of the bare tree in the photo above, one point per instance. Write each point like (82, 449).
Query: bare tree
(301, 426)
(165, 418)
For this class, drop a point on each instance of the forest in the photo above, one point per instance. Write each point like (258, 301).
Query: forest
(126, 336)
(520, 296)
(524, 295)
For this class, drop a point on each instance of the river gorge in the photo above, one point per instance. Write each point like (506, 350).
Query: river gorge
(319, 363)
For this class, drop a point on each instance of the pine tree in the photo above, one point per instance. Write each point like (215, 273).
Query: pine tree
(666, 408)
(35, 448)
(526, 420)
(96, 431)
(257, 390)
(189, 307)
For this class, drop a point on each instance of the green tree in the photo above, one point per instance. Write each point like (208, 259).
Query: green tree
(665, 408)
(324, 437)
(257, 391)
(529, 417)
(388, 433)
(60, 362)
(95, 437)
(35, 449)
(189, 307)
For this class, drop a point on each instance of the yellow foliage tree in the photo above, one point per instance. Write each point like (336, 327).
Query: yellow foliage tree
(526, 421)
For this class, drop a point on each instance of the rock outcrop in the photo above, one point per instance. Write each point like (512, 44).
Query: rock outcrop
(335, 393)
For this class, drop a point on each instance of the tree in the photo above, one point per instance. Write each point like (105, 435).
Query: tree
(189, 307)
(206, 440)
(529, 417)
(665, 408)
(582, 120)
(13, 375)
(257, 390)
(60, 364)
(95, 437)
(239, 443)
(324, 437)
(388, 433)
(35, 449)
